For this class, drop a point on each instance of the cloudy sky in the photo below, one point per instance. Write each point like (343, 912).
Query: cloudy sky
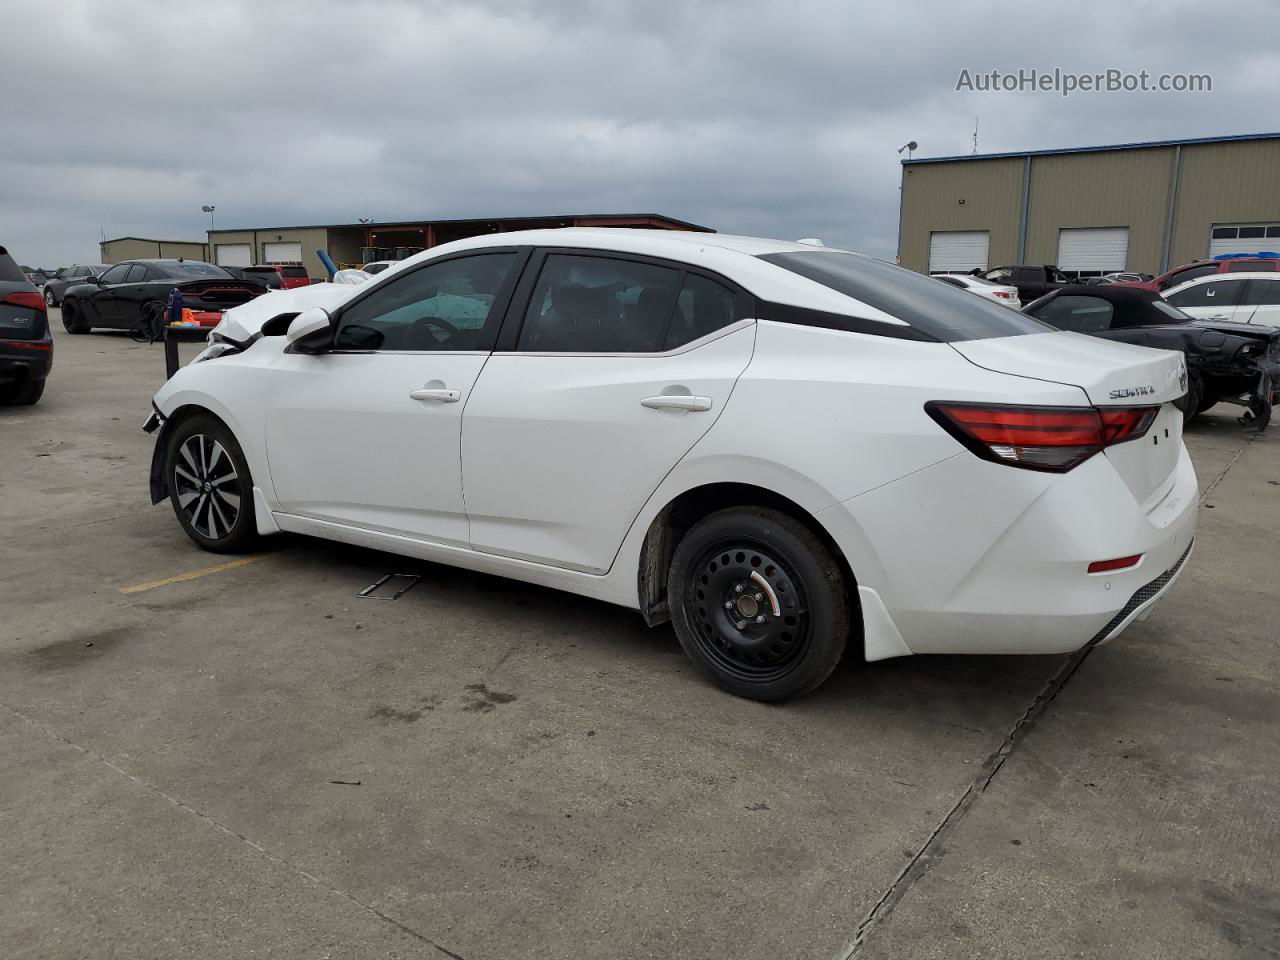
(772, 118)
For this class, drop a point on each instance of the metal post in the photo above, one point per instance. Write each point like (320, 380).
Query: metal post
(1026, 210)
(1174, 177)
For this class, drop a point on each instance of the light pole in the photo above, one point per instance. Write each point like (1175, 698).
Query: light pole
(209, 210)
(909, 146)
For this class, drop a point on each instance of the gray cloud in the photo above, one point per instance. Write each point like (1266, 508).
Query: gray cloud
(760, 117)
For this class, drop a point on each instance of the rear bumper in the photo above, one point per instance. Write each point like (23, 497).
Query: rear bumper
(24, 364)
(972, 557)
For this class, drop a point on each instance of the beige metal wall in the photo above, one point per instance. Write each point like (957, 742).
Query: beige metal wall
(962, 195)
(136, 248)
(1230, 182)
(311, 238)
(1118, 188)
(1224, 183)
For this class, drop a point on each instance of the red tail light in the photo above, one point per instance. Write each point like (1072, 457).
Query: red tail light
(32, 300)
(1002, 294)
(1040, 438)
(1119, 563)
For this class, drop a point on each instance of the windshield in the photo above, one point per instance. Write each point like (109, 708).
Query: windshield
(939, 310)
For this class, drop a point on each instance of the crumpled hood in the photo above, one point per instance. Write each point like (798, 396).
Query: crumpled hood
(240, 323)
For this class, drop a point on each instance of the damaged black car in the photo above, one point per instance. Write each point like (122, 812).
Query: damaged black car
(1236, 363)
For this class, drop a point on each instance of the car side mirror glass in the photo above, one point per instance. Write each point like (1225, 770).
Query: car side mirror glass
(310, 331)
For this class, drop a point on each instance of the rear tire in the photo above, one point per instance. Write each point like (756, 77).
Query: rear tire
(72, 321)
(210, 487)
(759, 603)
(21, 394)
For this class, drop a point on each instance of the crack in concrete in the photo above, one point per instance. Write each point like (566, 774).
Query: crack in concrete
(931, 850)
(223, 828)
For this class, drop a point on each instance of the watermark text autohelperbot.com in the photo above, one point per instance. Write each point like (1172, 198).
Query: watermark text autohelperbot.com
(1065, 83)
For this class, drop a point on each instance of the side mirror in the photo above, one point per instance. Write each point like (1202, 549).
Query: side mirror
(310, 331)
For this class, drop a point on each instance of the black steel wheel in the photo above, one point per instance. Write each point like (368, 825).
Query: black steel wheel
(759, 603)
(210, 487)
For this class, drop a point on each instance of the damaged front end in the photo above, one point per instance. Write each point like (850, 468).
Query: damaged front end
(1238, 364)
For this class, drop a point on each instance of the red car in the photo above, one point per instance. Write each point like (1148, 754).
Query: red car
(291, 274)
(1201, 268)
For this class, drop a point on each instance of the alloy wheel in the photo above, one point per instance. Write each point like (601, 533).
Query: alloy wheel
(48, 298)
(207, 486)
(750, 611)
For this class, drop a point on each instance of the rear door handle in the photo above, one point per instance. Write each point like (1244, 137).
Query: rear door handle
(669, 402)
(441, 394)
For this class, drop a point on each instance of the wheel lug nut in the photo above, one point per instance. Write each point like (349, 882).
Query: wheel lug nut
(728, 604)
(759, 597)
(760, 619)
(737, 588)
(741, 625)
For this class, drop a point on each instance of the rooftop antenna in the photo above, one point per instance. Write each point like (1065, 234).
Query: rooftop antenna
(975, 134)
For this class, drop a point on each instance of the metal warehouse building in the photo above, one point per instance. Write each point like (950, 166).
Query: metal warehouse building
(1142, 207)
(356, 243)
(352, 244)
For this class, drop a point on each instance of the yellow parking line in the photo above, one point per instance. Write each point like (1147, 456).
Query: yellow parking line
(194, 574)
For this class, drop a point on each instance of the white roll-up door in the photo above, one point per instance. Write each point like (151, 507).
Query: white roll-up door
(1093, 249)
(1227, 238)
(282, 253)
(958, 251)
(233, 254)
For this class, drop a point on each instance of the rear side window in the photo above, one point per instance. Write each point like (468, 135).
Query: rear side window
(1250, 266)
(934, 310)
(1263, 293)
(1078, 314)
(600, 305)
(137, 273)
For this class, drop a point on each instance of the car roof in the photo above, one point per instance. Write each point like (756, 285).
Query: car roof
(1232, 275)
(734, 256)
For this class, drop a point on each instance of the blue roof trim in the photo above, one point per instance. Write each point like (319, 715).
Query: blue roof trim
(1099, 149)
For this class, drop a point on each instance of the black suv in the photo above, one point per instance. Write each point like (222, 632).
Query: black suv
(26, 349)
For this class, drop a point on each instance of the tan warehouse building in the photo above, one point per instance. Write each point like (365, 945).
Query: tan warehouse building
(1141, 207)
(352, 244)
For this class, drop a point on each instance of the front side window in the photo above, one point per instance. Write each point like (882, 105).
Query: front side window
(1078, 314)
(1215, 293)
(441, 306)
(584, 304)
(117, 273)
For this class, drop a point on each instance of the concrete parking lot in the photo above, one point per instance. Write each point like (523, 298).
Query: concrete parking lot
(223, 760)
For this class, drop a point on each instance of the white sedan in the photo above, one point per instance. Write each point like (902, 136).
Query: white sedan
(783, 450)
(1002, 294)
(1238, 297)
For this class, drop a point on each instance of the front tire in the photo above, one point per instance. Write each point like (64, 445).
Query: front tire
(210, 487)
(49, 299)
(72, 321)
(759, 603)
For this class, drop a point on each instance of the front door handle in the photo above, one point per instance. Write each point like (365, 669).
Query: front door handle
(441, 394)
(676, 402)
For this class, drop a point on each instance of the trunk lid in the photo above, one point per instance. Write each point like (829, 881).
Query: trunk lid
(1111, 375)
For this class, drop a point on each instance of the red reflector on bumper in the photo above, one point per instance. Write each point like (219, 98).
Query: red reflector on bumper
(1120, 563)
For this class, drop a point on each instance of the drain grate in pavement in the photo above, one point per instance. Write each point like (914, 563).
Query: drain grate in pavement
(391, 587)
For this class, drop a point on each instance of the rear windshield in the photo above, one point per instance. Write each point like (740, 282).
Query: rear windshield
(938, 310)
(194, 268)
(294, 271)
(9, 272)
